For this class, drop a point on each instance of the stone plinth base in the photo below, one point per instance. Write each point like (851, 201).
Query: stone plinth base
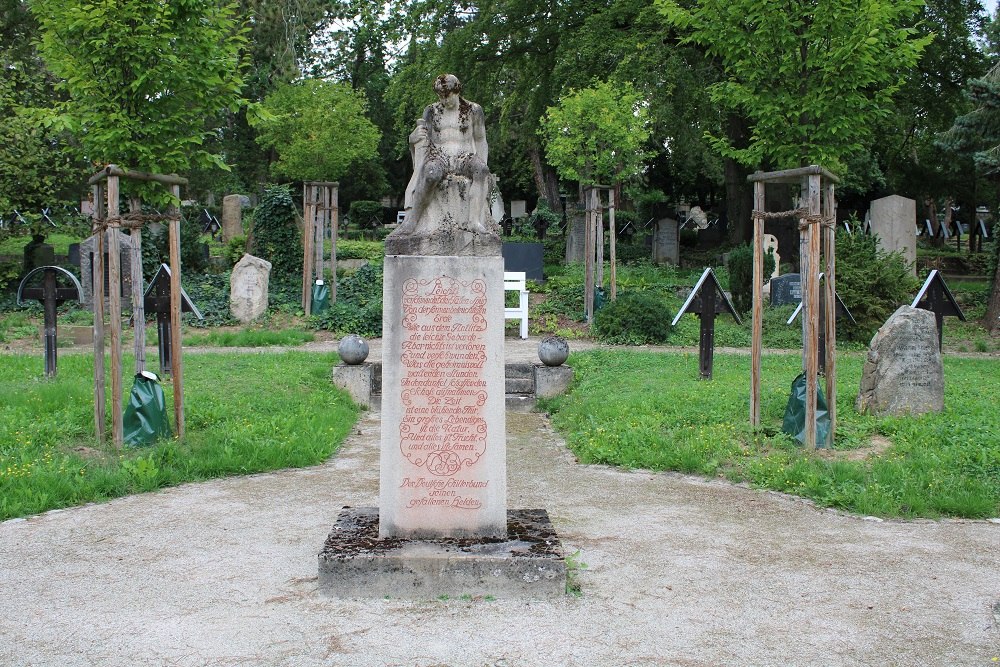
(355, 563)
(357, 381)
(552, 381)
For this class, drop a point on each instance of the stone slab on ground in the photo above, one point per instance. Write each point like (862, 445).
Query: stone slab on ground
(528, 564)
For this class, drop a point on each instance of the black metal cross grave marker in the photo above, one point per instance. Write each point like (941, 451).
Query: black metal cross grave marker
(51, 296)
(839, 312)
(707, 300)
(937, 298)
(157, 299)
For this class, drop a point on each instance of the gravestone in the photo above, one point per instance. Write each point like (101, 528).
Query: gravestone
(38, 253)
(232, 217)
(893, 220)
(576, 235)
(903, 372)
(87, 247)
(248, 287)
(74, 254)
(518, 208)
(786, 289)
(526, 257)
(666, 242)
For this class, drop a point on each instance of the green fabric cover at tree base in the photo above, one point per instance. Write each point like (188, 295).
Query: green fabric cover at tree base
(794, 423)
(145, 419)
(599, 299)
(320, 298)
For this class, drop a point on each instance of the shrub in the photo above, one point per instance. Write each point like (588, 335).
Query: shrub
(156, 247)
(366, 214)
(234, 250)
(740, 265)
(275, 233)
(358, 309)
(373, 251)
(871, 283)
(635, 318)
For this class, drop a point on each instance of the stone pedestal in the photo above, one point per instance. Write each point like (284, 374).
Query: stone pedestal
(356, 381)
(443, 453)
(552, 381)
(894, 220)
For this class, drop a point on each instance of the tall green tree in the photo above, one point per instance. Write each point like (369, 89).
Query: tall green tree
(145, 79)
(317, 128)
(598, 134)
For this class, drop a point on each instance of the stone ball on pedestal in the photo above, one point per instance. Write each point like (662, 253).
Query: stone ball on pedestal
(352, 349)
(553, 351)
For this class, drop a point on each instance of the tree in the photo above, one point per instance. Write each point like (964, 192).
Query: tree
(318, 128)
(597, 134)
(145, 79)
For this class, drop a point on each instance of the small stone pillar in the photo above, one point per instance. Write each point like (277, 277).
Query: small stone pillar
(353, 375)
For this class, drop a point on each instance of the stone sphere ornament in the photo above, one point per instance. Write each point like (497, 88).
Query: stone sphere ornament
(352, 349)
(553, 351)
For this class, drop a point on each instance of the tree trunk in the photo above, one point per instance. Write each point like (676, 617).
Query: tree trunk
(993, 308)
(546, 180)
(739, 198)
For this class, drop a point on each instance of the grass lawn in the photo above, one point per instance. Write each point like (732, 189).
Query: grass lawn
(244, 414)
(646, 410)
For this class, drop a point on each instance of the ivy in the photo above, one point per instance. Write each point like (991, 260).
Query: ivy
(275, 234)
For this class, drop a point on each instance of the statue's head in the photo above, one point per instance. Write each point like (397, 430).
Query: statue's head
(446, 84)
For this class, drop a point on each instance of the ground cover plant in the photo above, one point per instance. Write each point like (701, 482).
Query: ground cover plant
(649, 410)
(276, 411)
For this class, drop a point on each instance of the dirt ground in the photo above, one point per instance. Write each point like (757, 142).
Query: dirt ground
(679, 571)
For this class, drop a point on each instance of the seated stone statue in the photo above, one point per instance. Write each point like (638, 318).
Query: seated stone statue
(447, 201)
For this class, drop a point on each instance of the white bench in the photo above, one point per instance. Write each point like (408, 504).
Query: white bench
(513, 281)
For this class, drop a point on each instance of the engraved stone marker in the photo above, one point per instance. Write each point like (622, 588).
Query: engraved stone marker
(248, 286)
(786, 289)
(894, 220)
(232, 217)
(903, 372)
(87, 266)
(666, 242)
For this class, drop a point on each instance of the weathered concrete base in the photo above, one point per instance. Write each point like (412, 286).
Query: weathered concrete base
(552, 380)
(356, 381)
(355, 563)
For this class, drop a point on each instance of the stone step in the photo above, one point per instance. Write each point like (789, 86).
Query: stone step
(519, 385)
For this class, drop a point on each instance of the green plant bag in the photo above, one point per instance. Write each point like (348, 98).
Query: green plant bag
(320, 297)
(145, 419)
(794, 423)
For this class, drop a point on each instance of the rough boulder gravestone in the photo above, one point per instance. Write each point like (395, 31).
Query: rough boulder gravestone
(903, 372)
(248, 287)
(442, 520)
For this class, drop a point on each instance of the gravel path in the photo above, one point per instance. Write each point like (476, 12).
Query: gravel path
(681, 571)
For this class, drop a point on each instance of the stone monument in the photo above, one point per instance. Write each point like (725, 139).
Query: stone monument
(248, 287)
(232, 217)
(903, 372)
(442, 520)
(666, 242)
(894, 221)
(87, 247)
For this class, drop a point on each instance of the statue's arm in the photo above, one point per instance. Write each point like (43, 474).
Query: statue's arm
(479, 133)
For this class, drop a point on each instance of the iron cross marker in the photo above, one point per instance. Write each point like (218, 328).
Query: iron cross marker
(707, 300)
(51, 296)
(937, 298)
(157, 299)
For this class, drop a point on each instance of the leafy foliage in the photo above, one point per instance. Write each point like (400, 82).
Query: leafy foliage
(872, 283)
(358, 309)
(318, 128)
(740, 265)
(142, 76)
(810, 77)
(634, 318)
(366, 214)
(597, 135)
(275, 233)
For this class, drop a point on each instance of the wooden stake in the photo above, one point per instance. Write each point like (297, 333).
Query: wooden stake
(830, 213)
(307, 250)
(756, 343)
(810, 310)
(588, 254)
(599, 237)
(98, 295)
(612, 233)
(334, 232)
(319, 229)
(138, 307)
(115, 308)
(175, 309)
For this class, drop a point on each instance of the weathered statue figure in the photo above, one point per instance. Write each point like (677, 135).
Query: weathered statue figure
(447, 200)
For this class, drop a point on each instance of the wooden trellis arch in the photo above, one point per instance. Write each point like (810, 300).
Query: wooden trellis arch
(817, 217)
(107, 216)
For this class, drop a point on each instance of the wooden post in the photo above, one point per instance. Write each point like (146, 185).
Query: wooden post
(810, 307)
(612, 233)
(175, 309)
(829, 232)
(138, 308)
(307, 250)
(334, 232)
(588, 254)
(115, 308)
(757, 336)
(319, 228)
(98, 297)
(599, 237)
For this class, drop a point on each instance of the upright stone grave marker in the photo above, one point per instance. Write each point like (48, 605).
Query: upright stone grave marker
(248, 287)
(87, 266)
(894, 220)
(232, 217)
(903, 372)
(38, 253)
(786, 289)
(666, 242)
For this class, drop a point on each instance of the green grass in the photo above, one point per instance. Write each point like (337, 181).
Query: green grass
(14, 245)
(16, 325)
(244, 414)
(249, 338)
(645, 410)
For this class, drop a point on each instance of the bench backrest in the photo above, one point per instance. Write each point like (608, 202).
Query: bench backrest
(514, 280)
